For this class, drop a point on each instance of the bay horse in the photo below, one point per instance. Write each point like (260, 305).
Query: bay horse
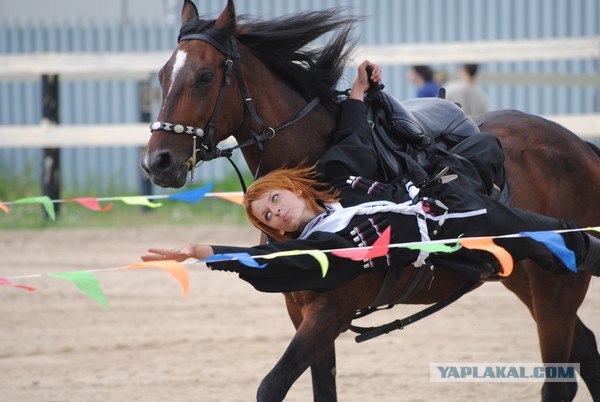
(257, 81)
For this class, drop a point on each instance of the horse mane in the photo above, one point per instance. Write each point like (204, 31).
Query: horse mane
(282, 44)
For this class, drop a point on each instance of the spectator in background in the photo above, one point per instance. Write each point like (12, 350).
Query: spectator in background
(466, 92)
(422, 78)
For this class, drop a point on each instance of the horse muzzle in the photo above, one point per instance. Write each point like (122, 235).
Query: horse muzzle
(164, 169)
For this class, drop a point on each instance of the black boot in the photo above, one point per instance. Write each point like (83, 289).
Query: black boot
(591, 261)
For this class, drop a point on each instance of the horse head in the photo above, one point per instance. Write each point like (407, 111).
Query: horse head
(207, 95)
(195, 113)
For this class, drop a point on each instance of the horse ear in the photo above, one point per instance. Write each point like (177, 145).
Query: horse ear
(227, 18)
(189, 12)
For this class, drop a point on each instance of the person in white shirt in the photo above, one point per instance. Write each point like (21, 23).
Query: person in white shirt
(466, 93)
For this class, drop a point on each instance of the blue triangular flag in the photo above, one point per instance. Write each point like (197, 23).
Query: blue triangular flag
(556, 244)
(194, 195)
(243, 258)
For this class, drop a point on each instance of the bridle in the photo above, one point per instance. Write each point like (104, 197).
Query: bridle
(207, 150)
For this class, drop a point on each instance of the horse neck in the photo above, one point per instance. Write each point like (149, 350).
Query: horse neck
(277, 103)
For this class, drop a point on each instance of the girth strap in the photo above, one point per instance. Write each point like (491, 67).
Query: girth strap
(367, 333)
(391, 276)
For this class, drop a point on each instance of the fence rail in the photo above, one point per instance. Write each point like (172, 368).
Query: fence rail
(60, 136)
(137, 65)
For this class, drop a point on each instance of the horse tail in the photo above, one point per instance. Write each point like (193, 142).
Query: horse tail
(594, 148)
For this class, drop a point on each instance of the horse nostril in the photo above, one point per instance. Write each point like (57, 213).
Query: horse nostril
(160, 160)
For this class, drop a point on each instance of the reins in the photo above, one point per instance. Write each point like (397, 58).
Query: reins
(207, 149)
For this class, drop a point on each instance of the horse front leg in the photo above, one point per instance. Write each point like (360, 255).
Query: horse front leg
(312, 345)
(323, 376)
(323, 370)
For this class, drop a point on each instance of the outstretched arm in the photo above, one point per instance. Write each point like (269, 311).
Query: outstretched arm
(283, 274)
(194, 250)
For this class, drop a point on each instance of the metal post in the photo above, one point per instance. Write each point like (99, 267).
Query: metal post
(50, 156)
(145, 114)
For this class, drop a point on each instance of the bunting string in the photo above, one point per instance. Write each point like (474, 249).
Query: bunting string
(89, 285)
(93, 203)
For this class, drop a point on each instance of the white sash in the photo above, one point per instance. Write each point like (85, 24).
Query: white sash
(337, 217)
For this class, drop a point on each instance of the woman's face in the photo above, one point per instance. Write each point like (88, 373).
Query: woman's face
(283, 210)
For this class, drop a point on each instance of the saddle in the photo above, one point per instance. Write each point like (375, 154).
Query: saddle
(410, 136)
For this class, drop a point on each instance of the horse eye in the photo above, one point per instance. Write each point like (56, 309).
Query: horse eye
(205, 78)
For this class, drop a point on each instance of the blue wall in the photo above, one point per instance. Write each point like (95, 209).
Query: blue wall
(386, 22)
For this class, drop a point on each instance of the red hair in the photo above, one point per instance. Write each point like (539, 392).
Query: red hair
(301, 180)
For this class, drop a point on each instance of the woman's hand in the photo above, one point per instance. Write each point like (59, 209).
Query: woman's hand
(361, 84)
(197, 251)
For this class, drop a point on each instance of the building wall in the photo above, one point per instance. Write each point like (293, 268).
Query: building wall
(150, 26)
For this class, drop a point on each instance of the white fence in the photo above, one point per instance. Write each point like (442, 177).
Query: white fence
(140, 66)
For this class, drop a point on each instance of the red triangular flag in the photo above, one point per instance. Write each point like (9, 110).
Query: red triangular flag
(381, 245)
(6, 282)
(91, 203)
(379, 248)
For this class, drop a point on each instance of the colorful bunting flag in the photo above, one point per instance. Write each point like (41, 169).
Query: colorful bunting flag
(243, 258)
(6, 282)
(194, 195)
(91, 203)
(172, 267)
(555, 243)
(318, 255)
(139, 200)
(378, 249)
(235, 197)
(434, 247)
(44, 200)
(487, 244)
(86, 282)
(381, 245)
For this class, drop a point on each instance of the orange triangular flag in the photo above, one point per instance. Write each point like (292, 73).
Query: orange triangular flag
(235, 197)
(172, 267)
(487, 244)
(3, 207)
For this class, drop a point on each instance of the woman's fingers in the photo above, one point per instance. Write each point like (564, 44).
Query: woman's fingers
(159, 254)
(152, 257)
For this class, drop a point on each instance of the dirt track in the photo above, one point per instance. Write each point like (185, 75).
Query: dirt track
(153, 344)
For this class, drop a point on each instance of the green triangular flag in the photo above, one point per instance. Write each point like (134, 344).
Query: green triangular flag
(44, 200)
(318, 255)
(87, 283)
(434, 248)
(139, 200)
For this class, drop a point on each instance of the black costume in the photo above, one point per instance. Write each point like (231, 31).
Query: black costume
(349, 165)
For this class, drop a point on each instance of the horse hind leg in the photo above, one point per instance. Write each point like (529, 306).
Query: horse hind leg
(556, 299)
(585, 352)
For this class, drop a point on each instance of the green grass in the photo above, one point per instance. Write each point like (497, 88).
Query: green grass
(72, 215)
